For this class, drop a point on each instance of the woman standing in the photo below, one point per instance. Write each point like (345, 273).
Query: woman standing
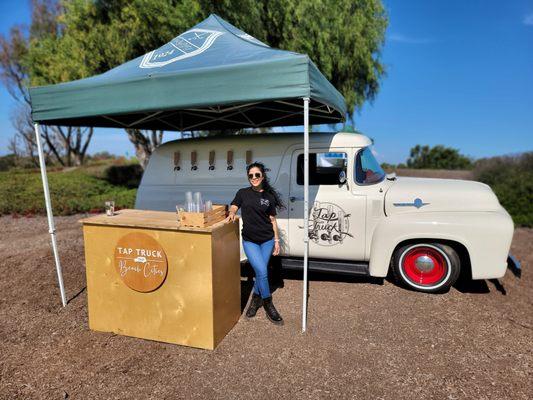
(260, 239)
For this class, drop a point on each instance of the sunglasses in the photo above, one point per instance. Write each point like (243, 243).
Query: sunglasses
(256, 175)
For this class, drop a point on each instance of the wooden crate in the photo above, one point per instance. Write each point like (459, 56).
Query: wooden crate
(203, 219)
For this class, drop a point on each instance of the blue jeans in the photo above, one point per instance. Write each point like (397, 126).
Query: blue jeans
(258, 255)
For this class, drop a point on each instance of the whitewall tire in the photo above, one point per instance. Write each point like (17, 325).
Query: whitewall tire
(426, 267)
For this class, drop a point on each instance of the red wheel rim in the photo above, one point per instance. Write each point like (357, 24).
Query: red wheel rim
(424, 276)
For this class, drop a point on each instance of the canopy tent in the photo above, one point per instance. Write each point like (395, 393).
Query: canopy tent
(213, 76)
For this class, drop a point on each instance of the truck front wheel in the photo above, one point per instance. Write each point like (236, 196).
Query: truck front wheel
(426, 267)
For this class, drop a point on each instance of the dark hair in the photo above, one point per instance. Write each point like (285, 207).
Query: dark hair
(267, 187)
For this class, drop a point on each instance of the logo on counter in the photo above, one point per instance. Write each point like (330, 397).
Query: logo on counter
(328, 224)
(140, 262)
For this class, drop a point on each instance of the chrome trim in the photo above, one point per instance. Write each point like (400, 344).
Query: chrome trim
(424, 263)
(418, 203)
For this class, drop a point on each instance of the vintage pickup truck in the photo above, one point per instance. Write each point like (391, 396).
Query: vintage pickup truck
(362, 221)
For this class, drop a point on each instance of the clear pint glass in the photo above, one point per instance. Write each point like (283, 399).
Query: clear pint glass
(110, 208)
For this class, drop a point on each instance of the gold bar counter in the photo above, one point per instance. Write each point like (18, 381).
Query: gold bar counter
(150, 278)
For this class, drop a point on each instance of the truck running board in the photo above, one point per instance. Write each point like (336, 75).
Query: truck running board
(331, 266)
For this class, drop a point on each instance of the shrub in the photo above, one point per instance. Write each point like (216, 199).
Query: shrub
(438, 157)
(7, 162)
(12, 161)
(511, 178)
(388, 167)
(21, 192)
(124, 175)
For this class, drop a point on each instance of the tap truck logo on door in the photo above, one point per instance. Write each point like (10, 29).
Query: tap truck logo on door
(328, 224)
(140, 262)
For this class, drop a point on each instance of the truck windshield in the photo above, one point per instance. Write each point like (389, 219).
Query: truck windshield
(367, 168)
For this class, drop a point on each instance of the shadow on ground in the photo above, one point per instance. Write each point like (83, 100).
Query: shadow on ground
(277, 276)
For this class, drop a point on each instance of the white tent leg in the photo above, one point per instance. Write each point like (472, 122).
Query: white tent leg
(51, 226)
(306, 211)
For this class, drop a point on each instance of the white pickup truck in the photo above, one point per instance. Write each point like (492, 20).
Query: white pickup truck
(361, 220)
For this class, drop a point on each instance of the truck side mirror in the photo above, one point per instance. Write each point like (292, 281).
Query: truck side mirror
(342, 177)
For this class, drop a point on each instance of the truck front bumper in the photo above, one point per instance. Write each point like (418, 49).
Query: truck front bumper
(514, 265)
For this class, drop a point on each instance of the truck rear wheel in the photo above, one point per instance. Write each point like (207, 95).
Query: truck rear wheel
(426, 267)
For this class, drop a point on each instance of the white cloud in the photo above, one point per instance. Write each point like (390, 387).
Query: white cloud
(397, 37)
(528, 19)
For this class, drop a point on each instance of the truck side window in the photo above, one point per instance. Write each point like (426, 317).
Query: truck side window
(367, 168)
(324, 168)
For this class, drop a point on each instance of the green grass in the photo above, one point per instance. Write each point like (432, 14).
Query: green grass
(21, 192)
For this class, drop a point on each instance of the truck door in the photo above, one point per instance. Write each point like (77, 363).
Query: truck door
(336, 215)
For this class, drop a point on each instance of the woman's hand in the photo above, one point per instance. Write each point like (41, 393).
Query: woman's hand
(231, 214)
(230, 218)
(276, 249)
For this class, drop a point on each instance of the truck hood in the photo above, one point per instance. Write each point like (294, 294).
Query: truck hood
(410, 195)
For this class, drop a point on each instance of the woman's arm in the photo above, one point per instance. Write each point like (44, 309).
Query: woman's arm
(276, 235)
(231, 215)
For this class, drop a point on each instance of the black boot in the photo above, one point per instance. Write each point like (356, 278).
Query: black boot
(271, 311)
(255, 304)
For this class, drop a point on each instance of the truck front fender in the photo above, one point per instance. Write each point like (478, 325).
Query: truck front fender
(485, 235)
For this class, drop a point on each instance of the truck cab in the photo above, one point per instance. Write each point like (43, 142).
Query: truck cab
(361, 221)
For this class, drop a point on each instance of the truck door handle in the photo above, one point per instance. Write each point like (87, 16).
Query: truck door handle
(293, 199)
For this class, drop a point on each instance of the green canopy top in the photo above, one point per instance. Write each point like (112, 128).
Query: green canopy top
(214, 76)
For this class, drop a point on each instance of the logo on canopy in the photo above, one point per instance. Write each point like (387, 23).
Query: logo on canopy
(186, 45)
(250, 38)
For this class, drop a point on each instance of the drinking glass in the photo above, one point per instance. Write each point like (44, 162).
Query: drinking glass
(179, 210)
(188, 202)
(110, 208)
(198, 202)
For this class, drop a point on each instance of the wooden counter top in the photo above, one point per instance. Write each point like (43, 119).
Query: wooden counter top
(146, 219)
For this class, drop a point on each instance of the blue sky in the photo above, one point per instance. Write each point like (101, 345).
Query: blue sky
(459, 73)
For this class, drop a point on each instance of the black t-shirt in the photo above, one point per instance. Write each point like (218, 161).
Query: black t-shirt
(256, 209)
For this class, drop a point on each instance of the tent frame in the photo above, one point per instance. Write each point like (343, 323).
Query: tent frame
(213, 114)
(306, 114)
(50, 215)
(306, 213)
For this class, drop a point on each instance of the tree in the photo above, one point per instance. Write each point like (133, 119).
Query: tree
(438, 157)
(68, 145)
(343, 37)
(144, 143)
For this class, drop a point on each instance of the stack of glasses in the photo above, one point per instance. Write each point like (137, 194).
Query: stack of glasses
(197, 205)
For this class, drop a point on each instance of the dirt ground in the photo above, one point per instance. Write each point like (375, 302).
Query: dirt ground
(367, 339)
